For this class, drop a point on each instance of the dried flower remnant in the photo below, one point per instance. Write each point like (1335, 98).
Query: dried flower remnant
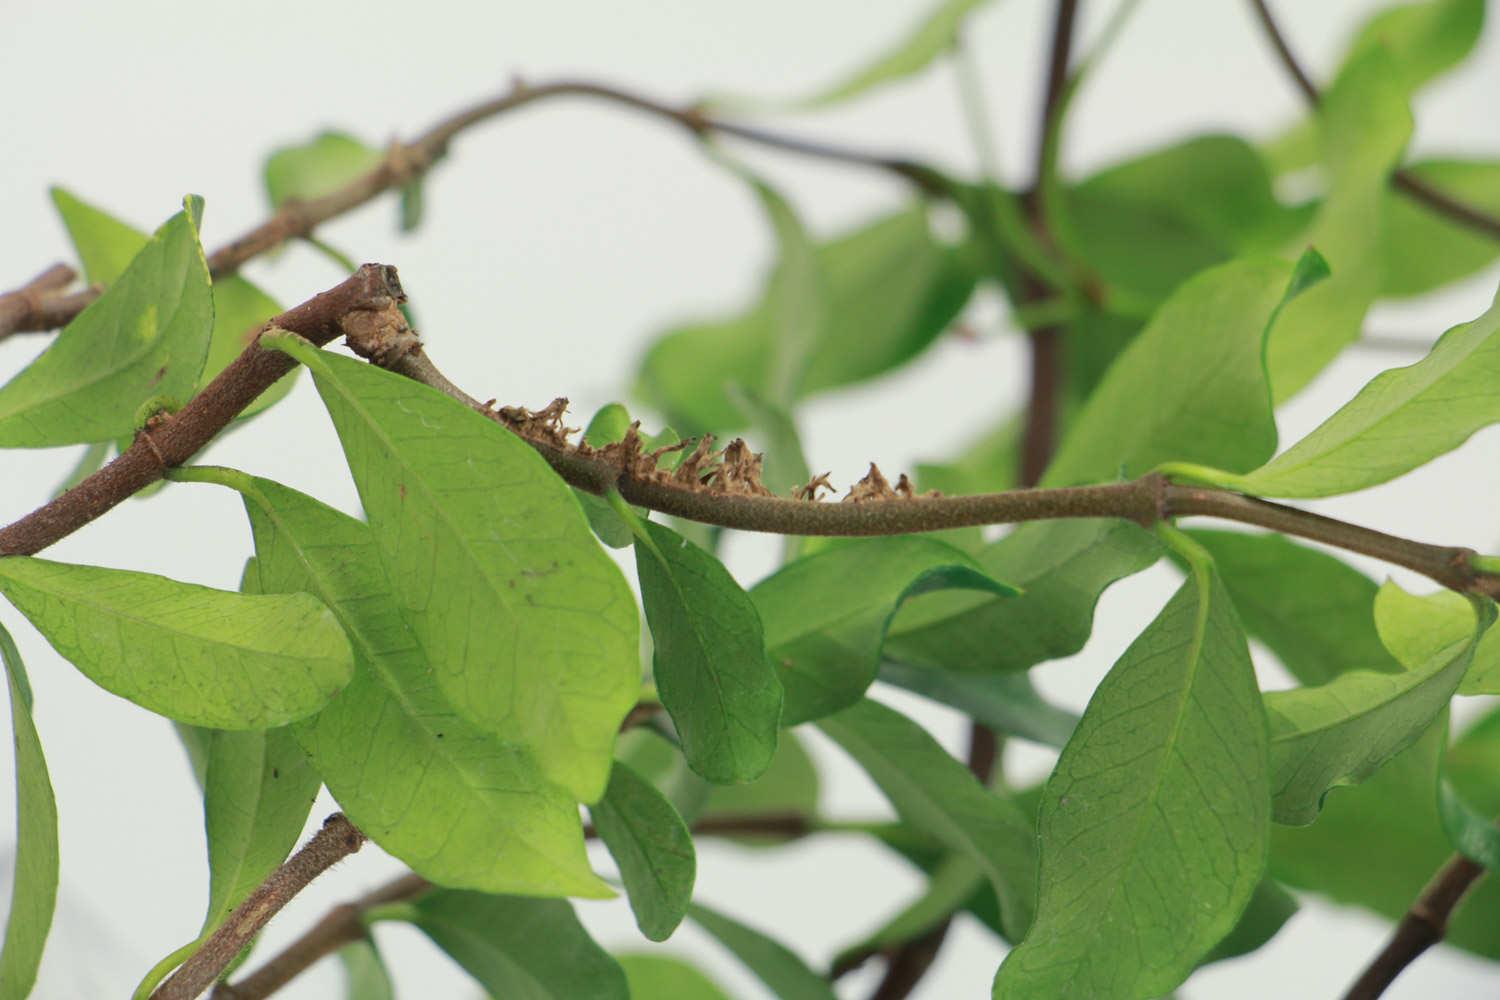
(811, 490)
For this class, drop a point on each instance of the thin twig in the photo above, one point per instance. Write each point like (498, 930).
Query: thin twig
(335, 841)
(22, 311)
(1423, 926)
(1402, 180)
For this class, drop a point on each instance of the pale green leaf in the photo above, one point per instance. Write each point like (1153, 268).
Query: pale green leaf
(146, 336)
(1424, 249)
(529, 627)
(937, 795)
(1313, 610)
(202, 656)
(710, 662)
(661, 977)
(365, 975)
(653, 848)
(1006, 702)
(1422, 40)
(520, 949)
(105, 245)
(1402, 419)
(889, 289)
(1341, 732)
(317, 167)
(459, 806)
(258, 788)
(1155, 822)
(34, 885)
(787, 976)
(1364, 124)
(826, 615)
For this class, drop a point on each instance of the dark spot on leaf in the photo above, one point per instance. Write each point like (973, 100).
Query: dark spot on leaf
(275, 772)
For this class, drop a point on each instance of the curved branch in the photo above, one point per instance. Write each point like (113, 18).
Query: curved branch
(1402, 180)
(24, 310)
(1423, 926)
(335, 841)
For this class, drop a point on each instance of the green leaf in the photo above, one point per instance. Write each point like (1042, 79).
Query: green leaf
(937, 795)
(608, 426)
(1148, 224)
(949, 888)
(661, 976)
(789, 787)
(257, 791)
(525, 948)
(1006, 702)
(1364, 123)
(710, 663)
(1175, 393)
(659, 760)
(1155, 822)
(1061, 568)
(317, 167)
(106, 245)
(34, 885)
(1424, 249)
(1473, 834)
(461, 807)
(1267, 912)
(1402, 419)
(529, 627)
(779, 968)
(826, 615)
(653, 848)
(365, 975)
(1422, 40)
(146, 336)
(1313, 610)
(889, 289)
(206, 657)
(1342, 732)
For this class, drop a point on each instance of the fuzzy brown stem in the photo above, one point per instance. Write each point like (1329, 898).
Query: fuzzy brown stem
(1423, 926)
(335, 841)
(175, 439)
(1402, 180)
(23, 311)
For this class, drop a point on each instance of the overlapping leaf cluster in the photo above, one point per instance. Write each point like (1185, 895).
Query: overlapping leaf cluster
(455, 665)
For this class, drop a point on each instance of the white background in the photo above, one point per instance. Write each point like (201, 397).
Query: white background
(556, 243)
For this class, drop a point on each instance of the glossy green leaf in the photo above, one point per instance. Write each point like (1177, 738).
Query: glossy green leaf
(1313, 610)
(1267, 912)
(1155, 822)
(1007, 702)
(789, 787)
(787, 976)
(653, 848)
(710, 662)
(318, 167)
(661, 976)
(365, 975)
(1175, 393)
(258, 788)
(461, 807)
(937, 795)
(1402, 419)
(889, 290)
(1150, 223)
(826, 615)
(1364, 124)
(529, 627)
(206, 657)
(34, 885)
(106, 245)
(525, 948)
(1341, 732)
(1425, 250)
(1061, 568)
(146, 336)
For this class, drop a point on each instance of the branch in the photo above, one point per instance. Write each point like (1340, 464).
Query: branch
(372, 291)
(1402, 180)
(34, 309)
(1423, 926)
(337, 840)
